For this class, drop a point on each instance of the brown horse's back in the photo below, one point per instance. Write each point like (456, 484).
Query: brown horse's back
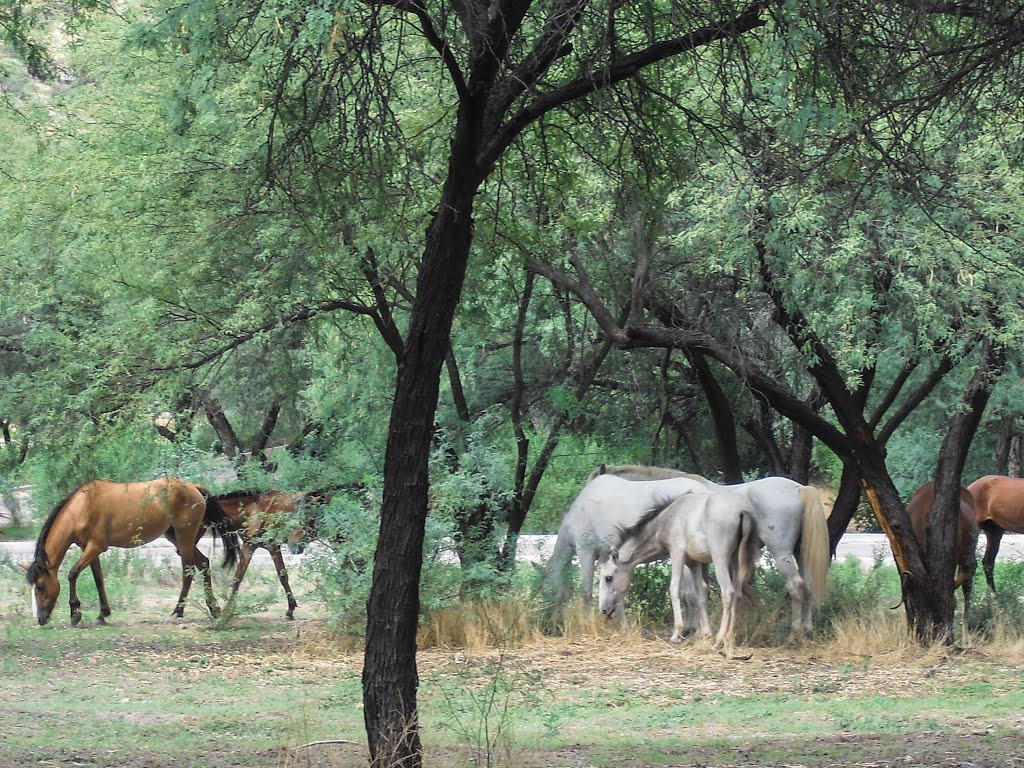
(1000, 501)
(131, 514)
(257, 512)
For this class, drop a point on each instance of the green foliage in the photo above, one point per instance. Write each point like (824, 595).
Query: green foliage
(483, 702)
(1000, 615)
(854, 592)
(648, 596)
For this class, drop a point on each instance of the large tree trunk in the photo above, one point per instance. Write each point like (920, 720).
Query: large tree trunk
(929, 625)
(390, 680)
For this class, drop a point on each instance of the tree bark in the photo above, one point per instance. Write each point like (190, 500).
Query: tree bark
(845, 505)
(721, 415)
(931, 602)
(800, 451)
(219, 421)
(390, 680)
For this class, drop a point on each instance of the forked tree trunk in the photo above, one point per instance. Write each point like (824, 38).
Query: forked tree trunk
(933, 619)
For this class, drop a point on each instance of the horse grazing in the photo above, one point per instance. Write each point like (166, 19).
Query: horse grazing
(594, 521)
(999, 507)
(100, 514)
(792, 525)
(693, 531)
(260, 518)
(919, 509)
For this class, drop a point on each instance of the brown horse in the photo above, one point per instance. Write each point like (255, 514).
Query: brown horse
(919, 509)
(259, 517)
(999, 504)
(100, 514)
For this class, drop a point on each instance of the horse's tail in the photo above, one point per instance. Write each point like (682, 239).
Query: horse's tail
(218, 520)
(814, 546)
(749, 552)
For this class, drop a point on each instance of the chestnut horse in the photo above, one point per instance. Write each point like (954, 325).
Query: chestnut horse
(100, 514)
(919, 509)
(261, 517)
(999, 506)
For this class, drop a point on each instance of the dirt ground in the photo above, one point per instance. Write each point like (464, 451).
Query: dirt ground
(631, 669)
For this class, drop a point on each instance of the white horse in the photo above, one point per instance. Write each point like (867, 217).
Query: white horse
(791, 523)
(592, 525)
(693, 531)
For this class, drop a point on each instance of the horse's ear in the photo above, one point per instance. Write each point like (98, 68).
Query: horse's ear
(24, 567)
(602, 470)
(614, 556)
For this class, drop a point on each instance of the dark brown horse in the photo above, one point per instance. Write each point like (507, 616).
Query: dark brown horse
(100, 514)
(919, 509)
(264, 519)
(999, 505)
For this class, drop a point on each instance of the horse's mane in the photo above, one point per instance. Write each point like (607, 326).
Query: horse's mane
(643, 471)
(230, 494)
(325, 493)
(40, 559)
(636, 529)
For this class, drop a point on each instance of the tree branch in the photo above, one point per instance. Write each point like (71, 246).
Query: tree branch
(595, 80)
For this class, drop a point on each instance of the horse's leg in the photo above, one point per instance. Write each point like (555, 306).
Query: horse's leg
(282, 575)
(799, 599)
(186, 584)
(557, 577)
(690, 588)
(587, 557)
(678, 564)
(89, 555)
(244, 558)
(191, 558)
(204, 566)
(993, 535)
(97, 576)
(967, 570)
(727, 575)
(694, 597)
(698, 573)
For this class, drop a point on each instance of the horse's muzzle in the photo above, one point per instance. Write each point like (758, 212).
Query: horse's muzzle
(43, 619)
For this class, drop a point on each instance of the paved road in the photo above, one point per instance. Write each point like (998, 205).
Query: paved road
(865, 547)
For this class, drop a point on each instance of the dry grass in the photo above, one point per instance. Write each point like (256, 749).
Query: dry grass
(868, 634)
(479, 626)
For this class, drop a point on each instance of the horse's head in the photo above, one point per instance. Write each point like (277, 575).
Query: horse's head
(302, 534)
(297, 540)
(614, 583)
(45, 589)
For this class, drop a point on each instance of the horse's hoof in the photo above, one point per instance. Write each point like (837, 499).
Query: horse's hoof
(76, 619)
(675, 640)
(99, 621)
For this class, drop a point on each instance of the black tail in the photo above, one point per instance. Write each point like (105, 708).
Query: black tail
(216, 518)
